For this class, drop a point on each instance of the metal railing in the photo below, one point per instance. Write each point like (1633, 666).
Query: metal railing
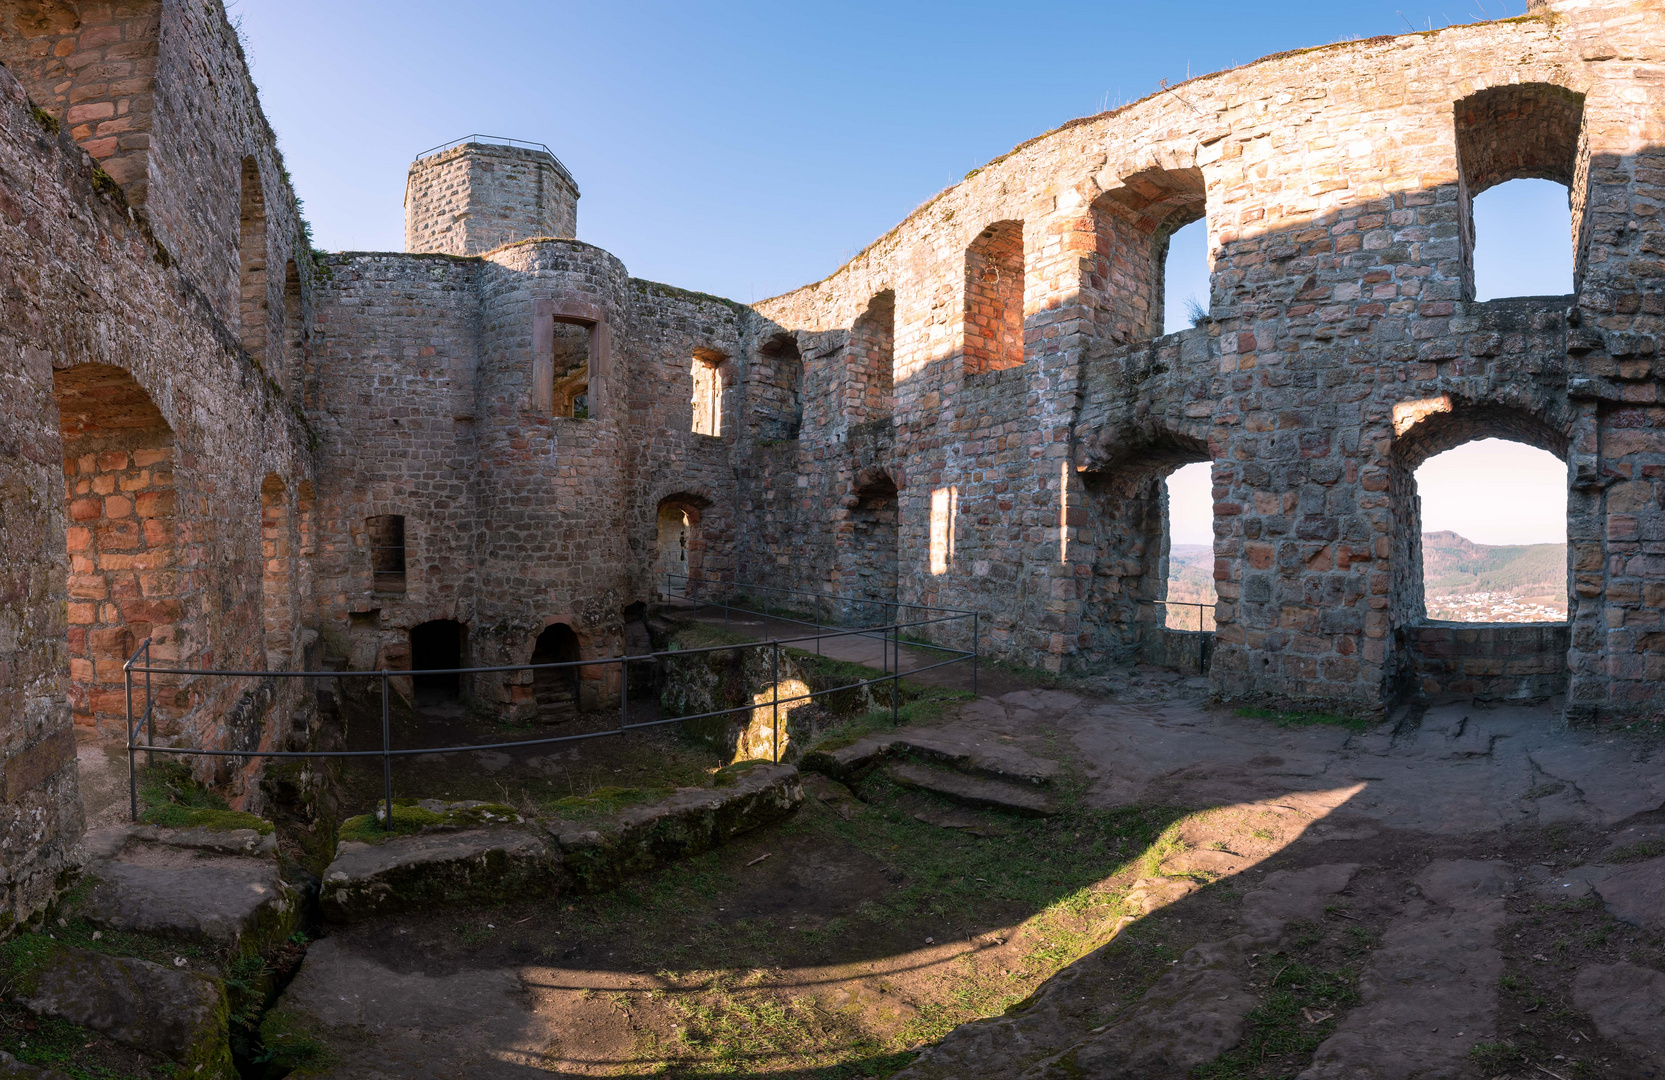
(890, 635)
(1203, 649)
(493, 140)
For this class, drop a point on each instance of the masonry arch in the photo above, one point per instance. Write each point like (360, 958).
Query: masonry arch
(779, 389)
(992, 327)
(870, 389)
(125, 582)
(1519, 135)
(866, 545)
(1133, 222)
(252, 301)
(1126, 500)
(680, 542)
(556, 690)
(276, 571)
(1500, 654)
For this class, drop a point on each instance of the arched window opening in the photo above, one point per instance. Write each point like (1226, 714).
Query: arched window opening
(124, 582)
(679, 548)
(572, 342)
(294, 324)
(1523, 240)
(386, 537)
(1494, 533)
(867, 550)
(994, 299)
(1135, 266)
(556, 689)
(870, 392)
(1189, 603)
(275, 570)
(780, 388)
(1185, 286)
(252, 302)
(1518, 242)
(708, 392)
(435, 646)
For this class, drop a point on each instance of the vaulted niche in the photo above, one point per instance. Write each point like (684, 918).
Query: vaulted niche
(779, 389)
(252, 304)
(275, 577)
(1518, 163)
(866, 546)
(994, 299)
(385, 535)
(679, 545)
(869, 390)
(556, 689)
(1126, 276)
(707, 402)
(439, 644)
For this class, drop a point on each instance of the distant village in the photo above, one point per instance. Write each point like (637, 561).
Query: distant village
(1491, 607)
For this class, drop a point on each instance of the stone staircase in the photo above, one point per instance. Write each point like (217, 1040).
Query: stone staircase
(978, 769)
(553, 693)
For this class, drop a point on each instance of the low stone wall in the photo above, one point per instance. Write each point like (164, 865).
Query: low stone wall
(1502, 661)
(1178, 649)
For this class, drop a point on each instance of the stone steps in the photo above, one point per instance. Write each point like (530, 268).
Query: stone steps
(1022, 799)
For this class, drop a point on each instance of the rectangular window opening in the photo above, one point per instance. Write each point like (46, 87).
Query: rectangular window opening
(386, 534)
(708, 393)
(572, 368)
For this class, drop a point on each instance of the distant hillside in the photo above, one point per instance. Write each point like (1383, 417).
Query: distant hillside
(1191, 579)
(1451, 564)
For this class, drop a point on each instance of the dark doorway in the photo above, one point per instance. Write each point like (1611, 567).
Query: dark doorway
(556, 689)
(437, 644)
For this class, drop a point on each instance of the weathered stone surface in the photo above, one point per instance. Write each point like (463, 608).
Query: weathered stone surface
(987, 755)
(347, 1017)
(1436, 971)
(414, 873)
(1627, 1004)
(637, 839)
(13, 1069)
(1634, 894)
(1013, 798)
(847, 763)
(179, 884)
(180, 1015)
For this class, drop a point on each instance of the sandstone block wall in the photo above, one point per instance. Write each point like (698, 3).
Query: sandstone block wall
(472, 198)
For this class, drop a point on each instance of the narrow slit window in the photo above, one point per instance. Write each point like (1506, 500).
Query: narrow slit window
(387, 552)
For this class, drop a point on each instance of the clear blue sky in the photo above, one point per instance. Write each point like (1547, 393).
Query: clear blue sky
(740, 148)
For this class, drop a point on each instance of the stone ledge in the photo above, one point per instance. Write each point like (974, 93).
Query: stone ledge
(407, 873)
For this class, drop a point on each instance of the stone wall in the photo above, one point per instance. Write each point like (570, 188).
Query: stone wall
(1491, 662)
(475, 197)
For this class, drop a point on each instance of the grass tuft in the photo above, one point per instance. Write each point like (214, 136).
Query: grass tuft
(1305, 719)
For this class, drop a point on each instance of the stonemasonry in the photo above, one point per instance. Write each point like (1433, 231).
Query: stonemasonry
(214, 436)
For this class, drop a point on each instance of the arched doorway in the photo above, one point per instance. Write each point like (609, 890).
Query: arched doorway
(124, 583)
(867, 558)
(680, 547)
(556, 689)
(438, 644)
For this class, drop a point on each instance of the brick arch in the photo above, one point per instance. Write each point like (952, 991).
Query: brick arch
(125, 580)
(1133, 221)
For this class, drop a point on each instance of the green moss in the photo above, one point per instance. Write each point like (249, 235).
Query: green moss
(184, 817)
(45, 119)
(290, 1043)
(408, 818)
(1306, 719)
(1646, 849)
(604, 801)
(169, 796)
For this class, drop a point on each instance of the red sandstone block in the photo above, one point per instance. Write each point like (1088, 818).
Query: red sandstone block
(117, 506)
(86, 509)
(153, 504)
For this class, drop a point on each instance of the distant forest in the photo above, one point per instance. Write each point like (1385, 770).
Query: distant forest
(1451, 566)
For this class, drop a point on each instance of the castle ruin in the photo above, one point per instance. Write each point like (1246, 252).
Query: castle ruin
(257, 455)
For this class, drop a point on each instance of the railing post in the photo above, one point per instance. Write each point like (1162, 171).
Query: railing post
(387, 754)
(132, 764)
(774, 695)
(896, 676)
(150, 712)
(976, 650)
(624, 693)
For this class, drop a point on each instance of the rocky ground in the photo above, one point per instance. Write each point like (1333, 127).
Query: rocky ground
(1051, 884)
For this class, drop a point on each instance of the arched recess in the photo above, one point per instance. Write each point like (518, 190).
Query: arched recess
(866, 546)
(993, 311)
(779, 388)
(276, 572)
(306, 536)
(125, 583)
(1422, 430)
(1132, 223)
(869, 390)
(252, 302)
(556, 690)
(710, 373)
(680, 543)
(1127, 507)
(1521, 131)
(438, 643)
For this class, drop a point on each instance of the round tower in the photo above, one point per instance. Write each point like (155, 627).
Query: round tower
(479, 193)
